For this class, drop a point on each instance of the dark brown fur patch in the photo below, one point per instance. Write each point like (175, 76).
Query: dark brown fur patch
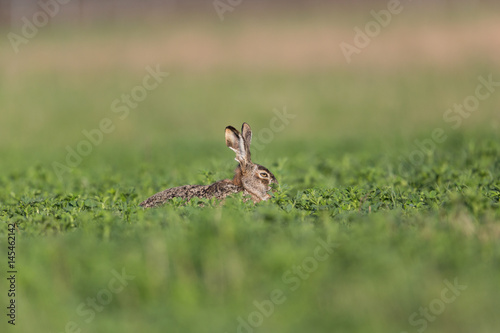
(219, 190)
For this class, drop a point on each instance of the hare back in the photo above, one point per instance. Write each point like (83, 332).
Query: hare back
(219, 190)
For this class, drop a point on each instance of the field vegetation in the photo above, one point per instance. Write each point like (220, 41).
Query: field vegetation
(386, 219)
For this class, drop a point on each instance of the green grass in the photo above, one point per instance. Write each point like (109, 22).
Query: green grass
(200, 268)
(398, 230)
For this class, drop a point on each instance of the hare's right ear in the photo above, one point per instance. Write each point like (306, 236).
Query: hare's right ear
(236, 143)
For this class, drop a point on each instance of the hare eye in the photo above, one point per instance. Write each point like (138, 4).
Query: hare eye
(263, 174)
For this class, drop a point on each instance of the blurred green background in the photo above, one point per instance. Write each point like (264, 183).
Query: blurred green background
(349, 162)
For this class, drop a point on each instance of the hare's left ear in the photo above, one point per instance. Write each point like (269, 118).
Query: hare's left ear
(246, 133)
(236, 143)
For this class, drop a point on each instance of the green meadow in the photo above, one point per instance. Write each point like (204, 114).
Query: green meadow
(386, 218)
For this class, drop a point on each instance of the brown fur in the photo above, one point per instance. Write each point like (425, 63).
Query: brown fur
(249, 178)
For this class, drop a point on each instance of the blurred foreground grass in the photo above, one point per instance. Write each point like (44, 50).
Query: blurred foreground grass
(399, 229)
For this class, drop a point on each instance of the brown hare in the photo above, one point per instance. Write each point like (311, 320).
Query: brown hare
(249, 178)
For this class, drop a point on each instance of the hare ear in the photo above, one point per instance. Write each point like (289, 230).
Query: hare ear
(233, 138)
(246, 133)
(236, 143)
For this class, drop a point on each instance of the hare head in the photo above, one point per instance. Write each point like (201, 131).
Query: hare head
(254, 178)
